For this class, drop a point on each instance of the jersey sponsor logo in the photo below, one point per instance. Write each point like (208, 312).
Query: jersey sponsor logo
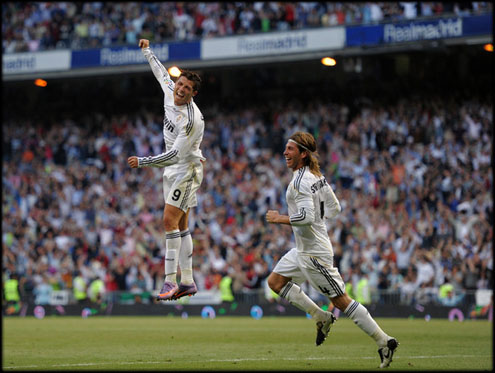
(168, 125)
(318, 185)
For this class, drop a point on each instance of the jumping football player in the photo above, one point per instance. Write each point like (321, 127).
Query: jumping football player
(183, 127)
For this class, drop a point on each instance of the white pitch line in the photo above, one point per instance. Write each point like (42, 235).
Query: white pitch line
(246, 359)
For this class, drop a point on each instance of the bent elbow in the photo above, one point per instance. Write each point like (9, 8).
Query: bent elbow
(305, 218)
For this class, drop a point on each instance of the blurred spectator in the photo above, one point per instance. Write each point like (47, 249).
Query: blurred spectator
(451, 299)
(96, 290)
(43, 292)
(448, 297)
(72, 205)
(408, 288)
(11, 290)
(225, 287)
(79, 289)
(424, 269)
(363, 292)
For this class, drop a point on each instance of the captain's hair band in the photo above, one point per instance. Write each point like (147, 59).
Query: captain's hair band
(302, 146)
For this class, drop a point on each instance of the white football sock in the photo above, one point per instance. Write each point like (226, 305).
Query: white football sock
(185, 258)
(293, 293)
(362, 318)
(173, 245)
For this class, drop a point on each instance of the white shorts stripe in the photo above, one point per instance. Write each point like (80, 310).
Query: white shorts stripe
(327, 275)
(318, 271)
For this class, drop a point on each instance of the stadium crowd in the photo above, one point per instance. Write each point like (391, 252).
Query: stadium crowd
(414, 180)
(39, 26)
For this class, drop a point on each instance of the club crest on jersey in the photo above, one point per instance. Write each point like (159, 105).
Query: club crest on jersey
(178, 118)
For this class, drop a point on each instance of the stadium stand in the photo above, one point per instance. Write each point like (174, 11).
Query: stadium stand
(71, 203)
(34, 26)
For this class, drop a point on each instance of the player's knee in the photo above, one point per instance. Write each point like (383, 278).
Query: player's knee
(341, 301)
(275, 284)
(272, 284)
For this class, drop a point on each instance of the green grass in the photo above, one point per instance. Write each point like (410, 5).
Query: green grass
(236, 343)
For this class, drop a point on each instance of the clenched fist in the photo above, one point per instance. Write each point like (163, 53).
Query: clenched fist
(133, 161)
(272, 216)
(144, 43)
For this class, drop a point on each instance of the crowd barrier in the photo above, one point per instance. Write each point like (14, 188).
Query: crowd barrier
(209, 305)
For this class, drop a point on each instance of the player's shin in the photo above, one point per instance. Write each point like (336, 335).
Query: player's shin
(362, 318)
(185, 258)
(173, 243)
(293, 293)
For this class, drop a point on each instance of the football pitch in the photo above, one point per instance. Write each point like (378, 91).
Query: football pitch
(237, 343)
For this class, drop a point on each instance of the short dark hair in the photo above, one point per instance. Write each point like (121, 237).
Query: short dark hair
(193, 77)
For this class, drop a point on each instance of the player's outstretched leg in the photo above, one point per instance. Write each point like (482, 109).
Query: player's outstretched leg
(323, 327)
(386, 353)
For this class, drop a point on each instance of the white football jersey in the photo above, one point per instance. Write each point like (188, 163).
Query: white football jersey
(183, 126)
(310, 200)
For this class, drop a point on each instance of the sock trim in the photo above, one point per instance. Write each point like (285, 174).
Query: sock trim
(285, 289)
(185, 233)
(351, 308)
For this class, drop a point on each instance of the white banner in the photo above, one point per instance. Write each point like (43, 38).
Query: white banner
(437, 29)
(130, 56)
(274, 43)
(19, 63)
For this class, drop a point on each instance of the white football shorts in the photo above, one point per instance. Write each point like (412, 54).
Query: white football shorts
(180, 184)
(317, 270)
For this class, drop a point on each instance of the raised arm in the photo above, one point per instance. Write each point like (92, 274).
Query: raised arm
(160, 72)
